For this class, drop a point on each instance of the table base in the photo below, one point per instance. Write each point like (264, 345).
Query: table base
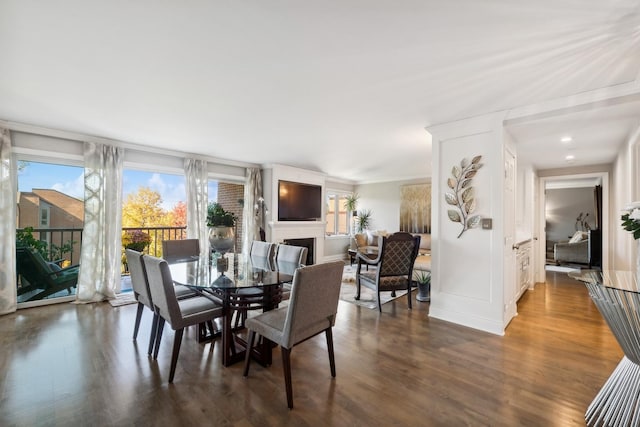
(618, 402)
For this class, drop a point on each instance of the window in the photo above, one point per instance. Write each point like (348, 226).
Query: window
(230, 196)
(50, 222)
(44, 215)
(154, 203)
(337, 216)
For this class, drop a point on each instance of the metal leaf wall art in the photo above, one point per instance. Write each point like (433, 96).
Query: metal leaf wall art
(462, 196)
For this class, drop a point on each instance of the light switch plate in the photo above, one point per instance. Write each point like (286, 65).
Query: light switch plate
(487, 223)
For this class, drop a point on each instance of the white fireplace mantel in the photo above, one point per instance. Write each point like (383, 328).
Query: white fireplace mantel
(281, 230)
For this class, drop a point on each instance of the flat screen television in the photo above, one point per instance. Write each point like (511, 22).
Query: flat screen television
(299, 202)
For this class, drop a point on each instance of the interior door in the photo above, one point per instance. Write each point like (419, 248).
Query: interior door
(510, 280)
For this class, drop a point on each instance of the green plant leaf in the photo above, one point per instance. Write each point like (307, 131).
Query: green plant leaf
(454, 215)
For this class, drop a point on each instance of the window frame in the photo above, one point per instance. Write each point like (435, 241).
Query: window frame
(337, 195)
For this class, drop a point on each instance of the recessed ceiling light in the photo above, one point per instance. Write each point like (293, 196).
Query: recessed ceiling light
(566, 139)
(570, 157)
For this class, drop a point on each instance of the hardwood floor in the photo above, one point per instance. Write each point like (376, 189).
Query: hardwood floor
(67, 365)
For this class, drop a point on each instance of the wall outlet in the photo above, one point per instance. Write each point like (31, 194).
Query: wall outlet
(487, 223)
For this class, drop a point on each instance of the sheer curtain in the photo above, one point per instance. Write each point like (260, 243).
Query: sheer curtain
(197, 201)
(100, 256)
(253, 213)
(8, 292)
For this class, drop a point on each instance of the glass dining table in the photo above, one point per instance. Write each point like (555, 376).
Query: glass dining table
(617, 296)
(246, 284)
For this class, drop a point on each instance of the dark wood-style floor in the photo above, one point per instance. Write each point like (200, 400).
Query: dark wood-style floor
(67, 365)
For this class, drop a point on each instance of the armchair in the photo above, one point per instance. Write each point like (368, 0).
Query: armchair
(46, 278)
(395, 261)
(576, 250)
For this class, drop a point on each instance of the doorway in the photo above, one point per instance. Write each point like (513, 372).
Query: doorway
(599, 219)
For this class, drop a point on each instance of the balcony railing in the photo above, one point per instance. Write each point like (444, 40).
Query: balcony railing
(57, 237)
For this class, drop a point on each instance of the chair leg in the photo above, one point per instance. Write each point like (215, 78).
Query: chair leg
(177, 340)
(357, 298)
(158, 336)
(379, 302)
(154, 329)
(247, 356)
(332, 360)
(286, 367)
(138, 317)
(409, 295)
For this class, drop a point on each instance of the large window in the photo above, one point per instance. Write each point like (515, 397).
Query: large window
(153, 203)
(231, 197)
(337, 215)
(49, 226)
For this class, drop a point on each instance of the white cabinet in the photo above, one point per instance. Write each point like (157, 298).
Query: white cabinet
(524, 267)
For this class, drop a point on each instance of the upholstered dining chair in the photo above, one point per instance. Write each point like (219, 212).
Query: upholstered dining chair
(245, 299)
(140, 285)
(288, 258)
(263, 252)
(289, 254)
(178, 313)
(394, 265)
(311, 311)
(177, 250)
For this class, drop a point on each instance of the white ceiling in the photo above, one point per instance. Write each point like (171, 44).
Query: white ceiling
(343, 87)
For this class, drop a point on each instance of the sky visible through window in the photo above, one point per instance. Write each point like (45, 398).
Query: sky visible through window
(70, 180)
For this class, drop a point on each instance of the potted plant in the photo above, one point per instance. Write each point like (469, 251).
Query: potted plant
(423, 278)
(351, 202)
(221, 225)
(137, 240)
(363, 220)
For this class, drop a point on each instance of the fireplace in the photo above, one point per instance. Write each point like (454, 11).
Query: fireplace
(308, 243)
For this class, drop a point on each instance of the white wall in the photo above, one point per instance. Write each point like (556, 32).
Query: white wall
(468, 272)
(626, 189)
(563, 205)
(384, 201)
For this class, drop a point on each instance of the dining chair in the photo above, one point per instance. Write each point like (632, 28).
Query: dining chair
(311, 311)
(178, 313)
(263, 252)
(140, 286)
(180, 250)
(289, 254)
(394, 264)
(262, 258)
(288, 259)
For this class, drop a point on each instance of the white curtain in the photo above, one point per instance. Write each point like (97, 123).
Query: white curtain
(197, 201)
(8, 292)
(253, 213)
(101, 253)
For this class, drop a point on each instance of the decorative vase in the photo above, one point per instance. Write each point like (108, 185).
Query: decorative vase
(221, 239)
(424, 292)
